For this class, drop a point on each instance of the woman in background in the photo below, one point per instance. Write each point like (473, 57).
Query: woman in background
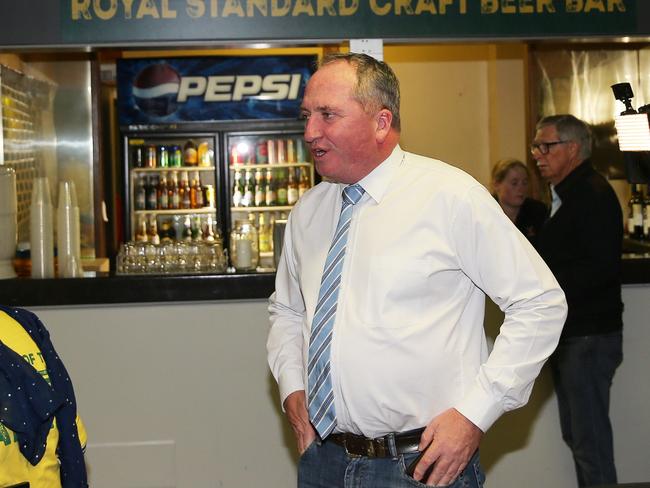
(510, 188)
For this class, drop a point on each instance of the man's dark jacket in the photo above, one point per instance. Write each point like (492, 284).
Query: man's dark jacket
(581, 244)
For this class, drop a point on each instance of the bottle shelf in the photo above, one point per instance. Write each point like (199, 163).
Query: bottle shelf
(275, 208)
(235, 167)
(172, 168)
(177, 211)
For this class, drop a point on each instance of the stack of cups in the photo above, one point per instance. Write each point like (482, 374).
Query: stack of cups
(68, 232)
(8, 225)
(40, 226)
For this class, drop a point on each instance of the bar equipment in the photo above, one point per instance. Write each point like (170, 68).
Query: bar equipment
(8, 224)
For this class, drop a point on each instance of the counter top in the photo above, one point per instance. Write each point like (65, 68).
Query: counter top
(134, 289)
(142, 288)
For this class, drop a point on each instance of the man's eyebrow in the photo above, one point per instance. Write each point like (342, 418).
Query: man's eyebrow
(320, 108)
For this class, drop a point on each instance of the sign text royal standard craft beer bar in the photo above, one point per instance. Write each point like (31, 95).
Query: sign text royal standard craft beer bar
(143, 20)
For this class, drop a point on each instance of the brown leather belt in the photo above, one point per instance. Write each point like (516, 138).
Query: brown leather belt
(390, 445)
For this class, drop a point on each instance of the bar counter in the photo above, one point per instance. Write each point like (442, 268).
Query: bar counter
(154, 288)
(134, 289)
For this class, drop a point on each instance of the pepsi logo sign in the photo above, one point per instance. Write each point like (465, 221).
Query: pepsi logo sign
(158, 89)
(155, 89)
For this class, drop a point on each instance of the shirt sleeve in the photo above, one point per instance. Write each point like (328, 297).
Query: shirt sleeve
(500, 261)
(287, 316)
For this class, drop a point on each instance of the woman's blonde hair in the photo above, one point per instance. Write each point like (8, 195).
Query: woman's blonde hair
(501, 168)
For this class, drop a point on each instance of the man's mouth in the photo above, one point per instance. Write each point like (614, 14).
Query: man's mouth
(318, 153)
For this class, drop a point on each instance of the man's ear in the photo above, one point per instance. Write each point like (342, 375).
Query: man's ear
(384, 120)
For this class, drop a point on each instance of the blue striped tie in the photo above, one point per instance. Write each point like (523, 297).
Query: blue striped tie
(321, 396)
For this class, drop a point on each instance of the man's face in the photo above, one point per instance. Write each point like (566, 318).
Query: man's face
(561, 158)
(339, 133)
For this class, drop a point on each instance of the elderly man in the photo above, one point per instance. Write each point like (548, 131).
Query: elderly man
(377, 337)
(581, 243)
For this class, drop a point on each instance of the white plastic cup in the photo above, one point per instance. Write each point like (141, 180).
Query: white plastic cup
(68, 232)
(41, 232)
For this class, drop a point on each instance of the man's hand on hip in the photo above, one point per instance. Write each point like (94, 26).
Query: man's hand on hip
(450, 441)
(295, 406)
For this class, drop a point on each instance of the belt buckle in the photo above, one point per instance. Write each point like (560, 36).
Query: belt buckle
(352, 445)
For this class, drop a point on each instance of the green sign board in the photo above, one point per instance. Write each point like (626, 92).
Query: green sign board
(98, 22)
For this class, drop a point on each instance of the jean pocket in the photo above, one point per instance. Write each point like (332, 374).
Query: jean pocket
(471, 477)
(310, 448)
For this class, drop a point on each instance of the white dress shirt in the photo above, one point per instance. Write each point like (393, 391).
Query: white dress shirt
(556, 201)
(426, 243)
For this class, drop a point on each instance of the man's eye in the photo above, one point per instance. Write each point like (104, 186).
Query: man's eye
(327, 115)
(304, 115)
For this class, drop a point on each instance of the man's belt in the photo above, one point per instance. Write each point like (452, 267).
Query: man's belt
(390, 445)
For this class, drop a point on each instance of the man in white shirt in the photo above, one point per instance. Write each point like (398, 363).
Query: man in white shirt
(410, 381)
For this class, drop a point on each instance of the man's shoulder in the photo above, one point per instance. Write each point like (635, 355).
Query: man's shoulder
(447, 176)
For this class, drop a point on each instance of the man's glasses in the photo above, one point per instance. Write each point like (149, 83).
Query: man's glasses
(544, 147)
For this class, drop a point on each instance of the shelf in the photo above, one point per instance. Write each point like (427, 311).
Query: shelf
(172, 168)
(277, 208)
(177, 211)
(235, 167)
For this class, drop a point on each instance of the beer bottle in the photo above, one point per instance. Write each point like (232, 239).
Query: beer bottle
(646, 214)
(264, 234)
(163, 156)
(247, 200)
(163, 195)
(138, 156)
(184, 191)
(153, 236)
(300, 151)
(173, 192)
(140, 194)
(282, 151)
(196, 194)
(238, 190)
(291, 152)
(197, 235)
(635, 214)
(190, 154)
(208, 231)
(175, 156)
(204, 154)
(282, 188)
(141, 230)
(304, 183)
(152, 193)
(270, 198)
(166, 232)
(187, 229)
(292, 187)
(259, 188)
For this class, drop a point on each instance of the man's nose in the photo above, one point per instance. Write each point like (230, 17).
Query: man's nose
(311, 130)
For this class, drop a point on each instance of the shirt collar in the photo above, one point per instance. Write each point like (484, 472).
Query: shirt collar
(377, 182)
(580, 172)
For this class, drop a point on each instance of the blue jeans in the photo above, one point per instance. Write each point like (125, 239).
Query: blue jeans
(583, 368)
(327, 465)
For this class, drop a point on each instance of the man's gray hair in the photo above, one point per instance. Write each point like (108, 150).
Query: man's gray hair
(570, 128)
(377, 86)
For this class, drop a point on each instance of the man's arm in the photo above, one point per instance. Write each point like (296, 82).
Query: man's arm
(501, 262)
(285, 344)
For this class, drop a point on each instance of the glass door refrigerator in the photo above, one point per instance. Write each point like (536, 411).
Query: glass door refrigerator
(267, 172)
(172, 189)
(213, 160)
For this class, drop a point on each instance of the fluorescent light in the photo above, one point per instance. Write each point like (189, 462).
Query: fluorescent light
(633, 132)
